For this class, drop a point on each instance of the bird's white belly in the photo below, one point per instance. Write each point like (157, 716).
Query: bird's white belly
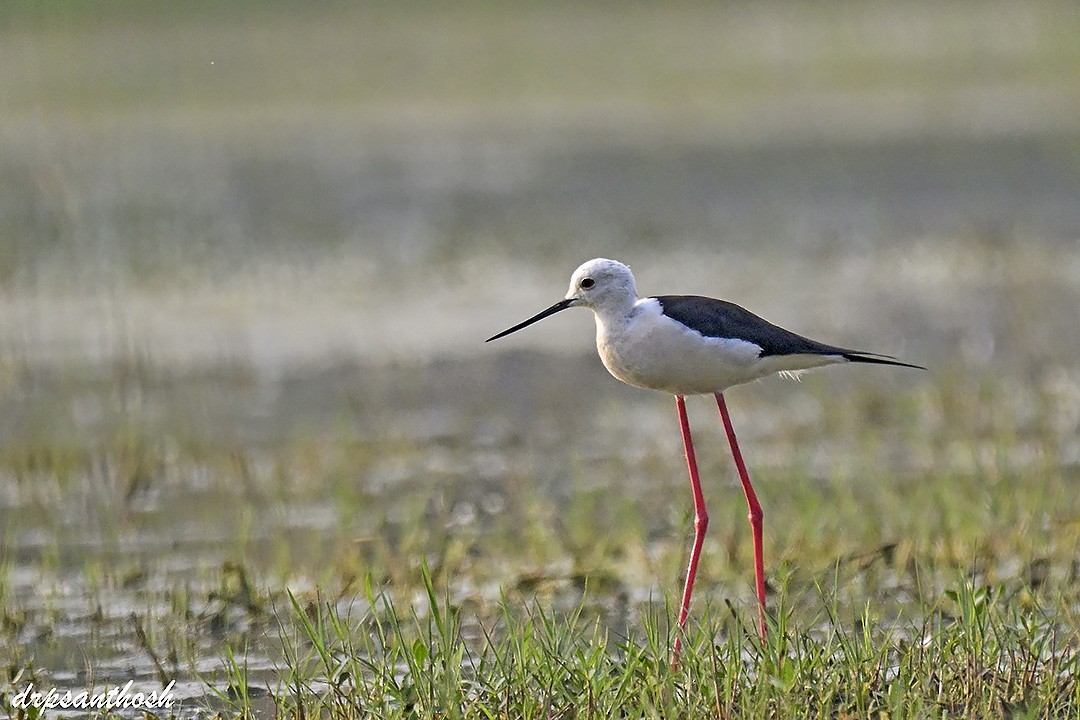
(658, 353)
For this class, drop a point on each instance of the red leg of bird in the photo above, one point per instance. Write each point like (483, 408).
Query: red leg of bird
(701, 522)
(755, 512)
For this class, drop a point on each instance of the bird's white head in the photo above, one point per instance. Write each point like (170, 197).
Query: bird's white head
(604, 286)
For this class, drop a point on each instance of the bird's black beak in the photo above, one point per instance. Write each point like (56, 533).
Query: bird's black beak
(557, 307)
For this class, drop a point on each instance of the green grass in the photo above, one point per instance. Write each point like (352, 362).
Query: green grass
(351, 575)
(974, 655)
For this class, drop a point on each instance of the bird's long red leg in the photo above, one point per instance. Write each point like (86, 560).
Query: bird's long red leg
(701, 523)
(755, 512)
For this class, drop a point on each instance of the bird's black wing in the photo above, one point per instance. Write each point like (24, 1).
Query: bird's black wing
(723, 319)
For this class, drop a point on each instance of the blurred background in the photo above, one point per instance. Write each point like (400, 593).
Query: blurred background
(277, 185)
(241, 242)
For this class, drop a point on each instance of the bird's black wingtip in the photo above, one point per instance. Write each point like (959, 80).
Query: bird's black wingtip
(876, 359)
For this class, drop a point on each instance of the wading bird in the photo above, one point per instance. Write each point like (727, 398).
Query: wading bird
(692, 345)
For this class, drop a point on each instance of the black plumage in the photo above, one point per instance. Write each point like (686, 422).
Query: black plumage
(723, 319)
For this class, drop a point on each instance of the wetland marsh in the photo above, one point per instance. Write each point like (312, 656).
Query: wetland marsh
(251, 440)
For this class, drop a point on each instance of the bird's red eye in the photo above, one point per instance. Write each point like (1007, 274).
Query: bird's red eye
(587, 283)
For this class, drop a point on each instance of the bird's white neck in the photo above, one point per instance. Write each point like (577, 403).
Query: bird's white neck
(615, 312)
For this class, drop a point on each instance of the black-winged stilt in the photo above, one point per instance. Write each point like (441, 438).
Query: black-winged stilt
(691, 345)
